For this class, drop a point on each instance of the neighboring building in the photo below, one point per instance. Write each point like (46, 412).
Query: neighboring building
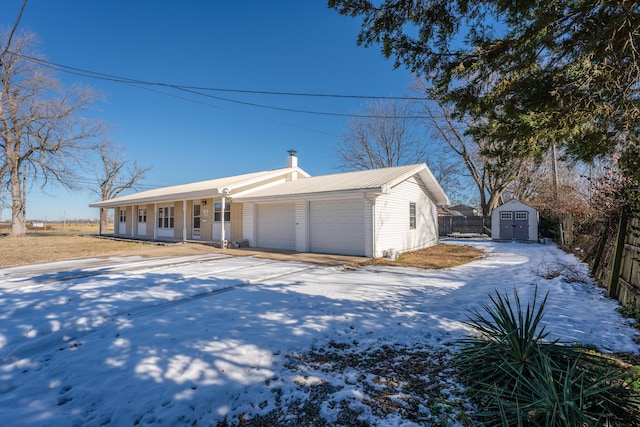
(459, 210)
(365, 213)
(514, 221)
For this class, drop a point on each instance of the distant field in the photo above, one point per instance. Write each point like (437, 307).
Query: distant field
(66, 227)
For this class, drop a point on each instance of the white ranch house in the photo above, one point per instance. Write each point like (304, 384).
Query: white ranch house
(368, 213)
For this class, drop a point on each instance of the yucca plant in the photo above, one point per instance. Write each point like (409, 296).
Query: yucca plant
(517, 377)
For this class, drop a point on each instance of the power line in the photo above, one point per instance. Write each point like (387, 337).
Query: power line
(199, 91)
(120, 79)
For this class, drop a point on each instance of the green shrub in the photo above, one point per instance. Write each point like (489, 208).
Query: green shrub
(517, 377)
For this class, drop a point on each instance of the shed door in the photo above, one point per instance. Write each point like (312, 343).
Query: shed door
(521, 225)
(506, 225)
(514, 225)
(276, 226)
(337, 227)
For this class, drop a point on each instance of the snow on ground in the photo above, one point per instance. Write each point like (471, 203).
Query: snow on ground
(192, 340)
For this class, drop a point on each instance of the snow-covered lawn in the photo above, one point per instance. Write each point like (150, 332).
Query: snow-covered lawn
(192, 340)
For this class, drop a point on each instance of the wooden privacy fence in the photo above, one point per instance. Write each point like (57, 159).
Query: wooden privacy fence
(461, 224)
(619, 267)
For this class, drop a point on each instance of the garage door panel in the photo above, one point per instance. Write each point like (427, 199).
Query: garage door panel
(337, 227)
(276, 226)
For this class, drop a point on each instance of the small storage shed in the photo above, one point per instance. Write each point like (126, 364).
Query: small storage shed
(514, 221)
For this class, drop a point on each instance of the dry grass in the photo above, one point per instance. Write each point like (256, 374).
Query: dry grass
(435, 257)
(36, 249)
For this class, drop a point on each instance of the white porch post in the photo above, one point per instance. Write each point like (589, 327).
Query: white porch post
(222, 236)
(133, 221)
(184, 221)
(155, 221)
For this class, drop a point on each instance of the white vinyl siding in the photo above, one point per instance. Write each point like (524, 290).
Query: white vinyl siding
(249, 223)
(392, 220)
(276, 226)
(337, 226)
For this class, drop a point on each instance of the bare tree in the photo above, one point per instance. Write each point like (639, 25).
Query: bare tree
(42, 132)
(386, 137)
(115, 176)
(491, 172)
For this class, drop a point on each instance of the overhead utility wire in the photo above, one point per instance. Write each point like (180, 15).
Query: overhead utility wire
(111, 77)
(196, 91)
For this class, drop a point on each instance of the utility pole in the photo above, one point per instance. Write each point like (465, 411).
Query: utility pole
(554, 167)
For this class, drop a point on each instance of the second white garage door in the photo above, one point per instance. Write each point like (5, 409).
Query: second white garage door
(337, 227)
(276, 226)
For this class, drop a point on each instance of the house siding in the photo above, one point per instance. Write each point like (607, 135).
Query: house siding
(249, 223)
(392, 219)
(237, 217)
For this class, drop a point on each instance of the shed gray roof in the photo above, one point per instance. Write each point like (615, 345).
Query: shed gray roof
(373, 180)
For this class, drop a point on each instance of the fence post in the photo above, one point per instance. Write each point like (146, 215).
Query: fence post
(617, 255)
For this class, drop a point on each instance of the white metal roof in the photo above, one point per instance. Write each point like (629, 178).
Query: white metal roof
(199, 189)
(373, 180)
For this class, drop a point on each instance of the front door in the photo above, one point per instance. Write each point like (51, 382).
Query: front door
(195, 234)
(122, 223)
(142, 221)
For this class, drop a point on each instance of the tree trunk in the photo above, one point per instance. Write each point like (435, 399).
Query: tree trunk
(103, 220)
(17, 205)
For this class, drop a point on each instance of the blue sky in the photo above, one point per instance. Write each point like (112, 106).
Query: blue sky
(286, 46)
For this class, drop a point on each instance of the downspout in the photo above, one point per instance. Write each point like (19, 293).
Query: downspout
(373, 227)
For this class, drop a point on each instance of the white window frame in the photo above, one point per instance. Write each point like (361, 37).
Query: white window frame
(217, 209)
(413, 215)
(166, 217)
(123, 215)
(506, 215)
(522, 215)
(142, 215)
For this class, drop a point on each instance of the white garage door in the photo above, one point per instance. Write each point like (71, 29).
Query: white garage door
(276, 226)
(337, 227)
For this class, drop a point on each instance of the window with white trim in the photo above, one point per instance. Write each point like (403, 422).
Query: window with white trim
(123, 215)
(506, 215)
(165, 217)
(217, 210)
(142, 215)
(412, 215)
(522, 215)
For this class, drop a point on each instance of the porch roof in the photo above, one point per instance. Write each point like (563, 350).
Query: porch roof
(201, 189)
